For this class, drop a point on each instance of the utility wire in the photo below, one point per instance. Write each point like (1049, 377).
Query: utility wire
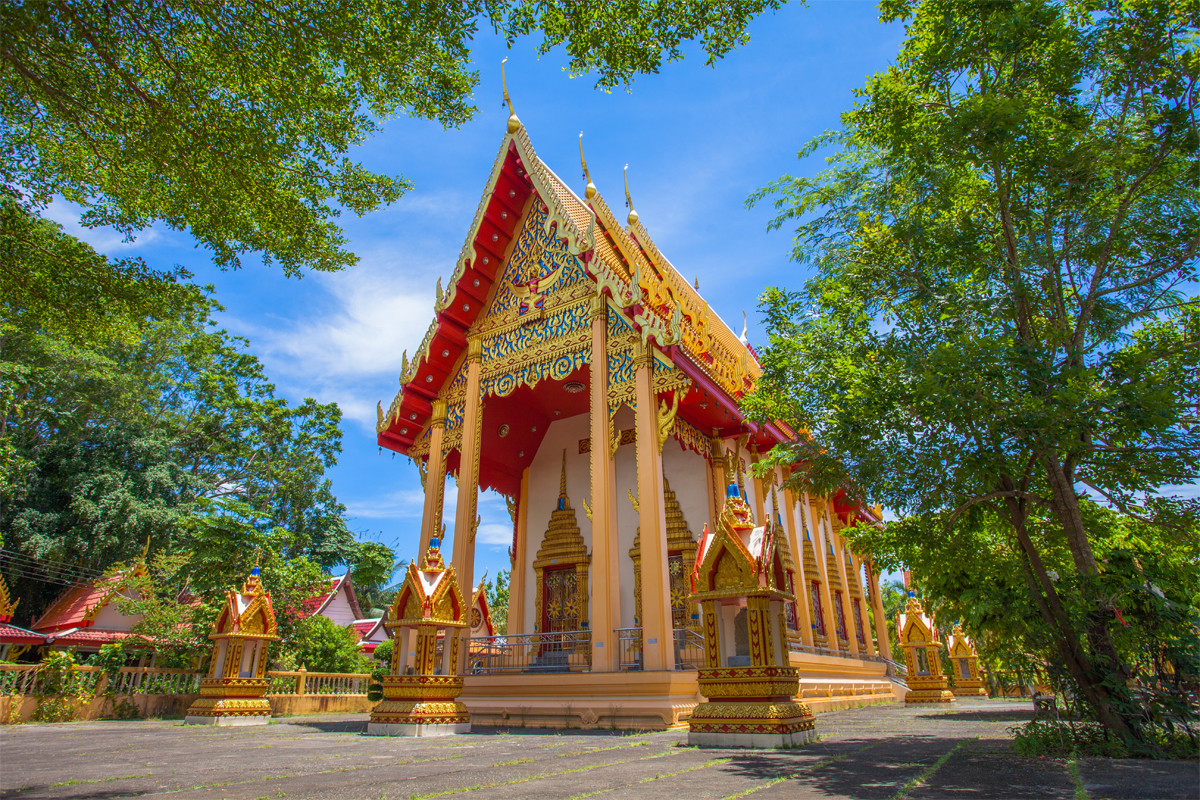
(45, 571)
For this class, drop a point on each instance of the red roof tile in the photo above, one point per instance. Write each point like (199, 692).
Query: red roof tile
(71, 609)
(11, 634)
(88, 637)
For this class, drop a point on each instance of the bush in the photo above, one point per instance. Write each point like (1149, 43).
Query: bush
(321, 645)
(1067, 739)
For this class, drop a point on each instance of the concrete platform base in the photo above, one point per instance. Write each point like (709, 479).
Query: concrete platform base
(396, 729)
(752, 740)
(231, 722)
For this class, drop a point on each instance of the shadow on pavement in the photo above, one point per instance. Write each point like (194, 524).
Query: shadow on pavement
(1007, 715)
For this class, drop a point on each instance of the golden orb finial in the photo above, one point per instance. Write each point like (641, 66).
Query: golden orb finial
(590, 191)
(514, 124)
(633, 215)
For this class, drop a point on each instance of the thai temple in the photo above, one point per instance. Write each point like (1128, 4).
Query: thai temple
(572, 369)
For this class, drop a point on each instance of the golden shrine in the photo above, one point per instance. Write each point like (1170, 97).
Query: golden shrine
(234, 693)
(922, 654)
(572, 369)
(741, 585)
(420, 696)
(967, 680)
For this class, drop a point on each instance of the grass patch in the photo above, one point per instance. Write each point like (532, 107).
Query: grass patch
(511, 763)
(538, 777)
(1081, 793)
(811, 768)
(1069, 739)
(79, 782)
(692, 768)
(908, 788)
(602, 749)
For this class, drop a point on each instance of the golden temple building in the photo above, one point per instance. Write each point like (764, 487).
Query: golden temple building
(571, 368)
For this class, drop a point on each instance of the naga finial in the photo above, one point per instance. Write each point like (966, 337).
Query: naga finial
(744, 338)
(590, 190)
(514, 124)
(633, 215)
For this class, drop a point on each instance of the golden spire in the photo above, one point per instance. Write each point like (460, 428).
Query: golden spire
(514, 124)
(562, 481)
(590, 191)
(633, 215)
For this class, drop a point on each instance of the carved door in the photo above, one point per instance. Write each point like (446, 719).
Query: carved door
(679, 591)
(560, 602)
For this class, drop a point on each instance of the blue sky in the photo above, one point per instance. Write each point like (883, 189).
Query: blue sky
(698, 141)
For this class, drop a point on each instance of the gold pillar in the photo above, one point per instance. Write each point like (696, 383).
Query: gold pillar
(795, 527)
(516, 592)
(819, 552)
(468, 482)
(658, 650)
(435, 478)
(881, 625)
(718, 469)
(606, 587)
(839, 555)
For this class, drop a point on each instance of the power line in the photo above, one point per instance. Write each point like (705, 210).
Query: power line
(46, 571)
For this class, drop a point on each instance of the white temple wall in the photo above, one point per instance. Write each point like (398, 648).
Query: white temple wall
(627, 518)
(338, 609)
(687, 472)
(110, 619)
(544, 473)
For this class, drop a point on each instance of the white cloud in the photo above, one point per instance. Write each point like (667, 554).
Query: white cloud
(105, 240)
(401, 503)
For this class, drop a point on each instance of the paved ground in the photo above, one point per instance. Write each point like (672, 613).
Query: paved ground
(877, 752)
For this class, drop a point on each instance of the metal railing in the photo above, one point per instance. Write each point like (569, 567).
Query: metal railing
(559, 651)
(689, 649)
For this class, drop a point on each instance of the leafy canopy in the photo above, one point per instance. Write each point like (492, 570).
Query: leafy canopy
(235, 121)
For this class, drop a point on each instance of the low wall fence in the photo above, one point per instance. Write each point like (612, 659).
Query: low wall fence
(30, 679)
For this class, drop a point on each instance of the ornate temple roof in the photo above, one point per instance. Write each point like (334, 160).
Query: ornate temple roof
(622, 262)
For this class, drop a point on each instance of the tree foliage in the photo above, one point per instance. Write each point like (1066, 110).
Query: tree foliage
(1000, 324)
(497, 598)
(235, 121)
(321, 645)
(168, 434)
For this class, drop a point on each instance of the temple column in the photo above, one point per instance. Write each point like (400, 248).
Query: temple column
(839, 556)
(606, 562)
(658, 650)
(468, 484)
(718, 472)
(866, 597)
(802, 591)
(881, 623)
(820, 549)
(516, 590)
(435, 479)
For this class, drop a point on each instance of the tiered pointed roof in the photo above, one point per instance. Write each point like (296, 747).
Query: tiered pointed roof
(624, 264)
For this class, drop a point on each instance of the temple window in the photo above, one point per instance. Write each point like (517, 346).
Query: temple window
(922, 661)
(818, 611)
(840, 613)
(858, 621)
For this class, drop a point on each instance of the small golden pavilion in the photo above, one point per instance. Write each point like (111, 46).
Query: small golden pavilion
(571, 368)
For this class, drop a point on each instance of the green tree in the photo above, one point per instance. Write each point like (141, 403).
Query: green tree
(497, 598)
(999, 325)
(107, 448)
(234, 121)
(321, 645)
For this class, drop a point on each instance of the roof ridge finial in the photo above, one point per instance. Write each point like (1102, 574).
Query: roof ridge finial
(590, 191)
(744, 339)
(633, 215)
(514, 124)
